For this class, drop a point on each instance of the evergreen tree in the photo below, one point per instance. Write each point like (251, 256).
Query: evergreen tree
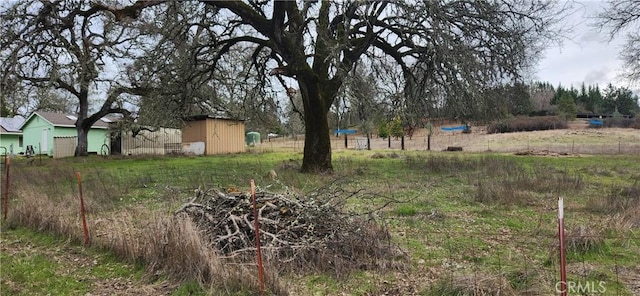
(594, 99)
(567, 106)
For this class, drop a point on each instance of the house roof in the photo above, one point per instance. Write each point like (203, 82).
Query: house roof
(65, 120)
(11, 125)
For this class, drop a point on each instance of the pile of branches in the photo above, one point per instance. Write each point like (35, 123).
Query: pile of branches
(309, 233)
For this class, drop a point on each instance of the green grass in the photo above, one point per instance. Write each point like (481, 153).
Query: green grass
(471, 211)
(36, 275)
(41, 264)
(189, 288)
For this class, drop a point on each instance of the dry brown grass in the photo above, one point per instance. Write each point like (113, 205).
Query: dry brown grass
(577, 139)
(166, 244)
(173, 245)
(501, 181)
(583, 239)
(474, 284)
(622, 205)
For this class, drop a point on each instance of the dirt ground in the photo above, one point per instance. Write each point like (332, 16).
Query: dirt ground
(577, 139)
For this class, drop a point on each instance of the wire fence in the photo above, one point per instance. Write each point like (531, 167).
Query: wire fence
(491, 267)
(472, 143)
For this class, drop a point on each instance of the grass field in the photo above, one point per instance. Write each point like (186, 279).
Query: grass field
(466, 224)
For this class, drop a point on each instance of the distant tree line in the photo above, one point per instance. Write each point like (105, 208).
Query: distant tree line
(502, 101)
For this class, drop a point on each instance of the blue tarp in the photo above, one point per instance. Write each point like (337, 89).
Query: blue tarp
(454, 128)
(595, 122)
(345, 132)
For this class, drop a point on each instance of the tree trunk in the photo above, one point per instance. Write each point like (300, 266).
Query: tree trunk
(81, 127)
(82, 147)
(317, 140)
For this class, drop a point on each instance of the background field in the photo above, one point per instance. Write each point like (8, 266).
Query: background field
(470, 222)
(579, 138)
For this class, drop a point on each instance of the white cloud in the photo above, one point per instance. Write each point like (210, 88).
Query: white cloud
(589, 56)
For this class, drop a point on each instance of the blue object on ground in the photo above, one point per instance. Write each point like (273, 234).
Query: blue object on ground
(345, 132)
(454, 128)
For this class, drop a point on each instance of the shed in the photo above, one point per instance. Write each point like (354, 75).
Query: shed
(11, 135)
(216, 134)
(55, 134)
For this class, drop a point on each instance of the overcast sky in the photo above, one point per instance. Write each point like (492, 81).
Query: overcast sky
(586, 56)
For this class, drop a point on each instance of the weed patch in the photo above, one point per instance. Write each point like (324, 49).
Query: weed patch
(621, 205)
(476, 284)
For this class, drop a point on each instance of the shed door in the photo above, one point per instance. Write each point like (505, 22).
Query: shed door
(45, 141)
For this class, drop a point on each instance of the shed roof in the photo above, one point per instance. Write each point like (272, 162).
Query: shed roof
(206, 116)
(64, 120)
(11, 125)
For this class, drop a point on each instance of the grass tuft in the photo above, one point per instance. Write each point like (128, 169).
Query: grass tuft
(477, 284)
(406, 210)
(584, 239)
(621, 204)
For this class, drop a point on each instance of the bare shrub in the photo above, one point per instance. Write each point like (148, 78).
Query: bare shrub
(523, 124)
(619, 122)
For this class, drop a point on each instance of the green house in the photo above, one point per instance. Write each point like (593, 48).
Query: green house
(55, 134)
(11, 136)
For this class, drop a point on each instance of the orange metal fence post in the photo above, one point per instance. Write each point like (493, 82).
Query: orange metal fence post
(563, 258)
(257, 233)
(85, 230)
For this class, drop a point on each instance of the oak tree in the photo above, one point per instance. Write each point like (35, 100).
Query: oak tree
(453, 47)
(73, 47)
